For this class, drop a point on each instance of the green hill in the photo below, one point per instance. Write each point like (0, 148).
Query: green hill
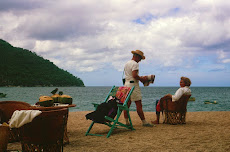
(21, 67)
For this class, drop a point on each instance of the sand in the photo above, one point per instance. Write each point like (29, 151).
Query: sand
(204, 131)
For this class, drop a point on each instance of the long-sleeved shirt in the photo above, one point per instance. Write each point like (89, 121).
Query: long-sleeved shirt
(180, 92)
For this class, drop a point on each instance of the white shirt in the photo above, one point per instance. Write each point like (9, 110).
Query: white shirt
(129, 67)
(180, 92)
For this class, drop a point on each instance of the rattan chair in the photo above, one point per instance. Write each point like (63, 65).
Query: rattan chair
(45, 133)
(4, 136)
(7, 109)
(175, 112)
(66, 138)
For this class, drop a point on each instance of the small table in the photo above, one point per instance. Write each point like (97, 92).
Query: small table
(56, 106)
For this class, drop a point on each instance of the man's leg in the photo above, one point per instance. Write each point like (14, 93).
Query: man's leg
(139, 109)
(141, 113)
(157, 113)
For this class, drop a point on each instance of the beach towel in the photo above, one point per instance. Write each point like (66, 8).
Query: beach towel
(151, 79)
(122, 93)
(21, 117)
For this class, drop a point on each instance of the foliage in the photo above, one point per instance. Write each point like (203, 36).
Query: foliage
(21, 67)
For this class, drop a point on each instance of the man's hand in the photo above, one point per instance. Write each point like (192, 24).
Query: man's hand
(144, 79)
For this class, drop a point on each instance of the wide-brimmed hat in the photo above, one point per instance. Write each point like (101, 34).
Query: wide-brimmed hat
(139, 53)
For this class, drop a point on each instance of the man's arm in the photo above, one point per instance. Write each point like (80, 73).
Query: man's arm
(137, 77)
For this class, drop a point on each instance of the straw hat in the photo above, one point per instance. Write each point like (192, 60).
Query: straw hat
(139, 53)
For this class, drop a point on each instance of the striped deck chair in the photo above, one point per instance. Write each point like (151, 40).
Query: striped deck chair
(123, 94)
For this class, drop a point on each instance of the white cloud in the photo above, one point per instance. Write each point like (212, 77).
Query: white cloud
(87, 35)
(224, 57)
(226, 61)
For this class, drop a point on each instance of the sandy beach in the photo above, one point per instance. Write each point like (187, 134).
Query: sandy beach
(204, 131)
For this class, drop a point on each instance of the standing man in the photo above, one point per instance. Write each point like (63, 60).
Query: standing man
(132, 78)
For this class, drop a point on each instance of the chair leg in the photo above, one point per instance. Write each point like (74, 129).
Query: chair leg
(166, 117)
(183, 117)
(66, 138)
(90, 127)
(131, 125)
(114, 124)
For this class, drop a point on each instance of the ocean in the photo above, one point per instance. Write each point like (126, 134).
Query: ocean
(84, 96)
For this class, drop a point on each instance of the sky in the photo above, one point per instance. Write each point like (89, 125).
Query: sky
(93, 39)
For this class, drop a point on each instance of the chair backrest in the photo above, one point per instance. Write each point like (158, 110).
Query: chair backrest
(7, 109)
(177, 106)
(181, 104)
(122, 93)
(47, 128)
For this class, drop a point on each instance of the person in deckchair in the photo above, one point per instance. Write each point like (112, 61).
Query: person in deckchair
(132, 78)
(184, 89)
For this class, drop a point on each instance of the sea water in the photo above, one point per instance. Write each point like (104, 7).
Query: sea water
(84, 96)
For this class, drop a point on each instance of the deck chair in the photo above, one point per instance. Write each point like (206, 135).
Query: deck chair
(123, 94)
(175, 112)
(45, 133)
(7, 109)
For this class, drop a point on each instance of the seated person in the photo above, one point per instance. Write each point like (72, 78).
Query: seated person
(184, 89)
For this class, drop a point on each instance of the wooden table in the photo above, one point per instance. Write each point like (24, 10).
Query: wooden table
(58, 106)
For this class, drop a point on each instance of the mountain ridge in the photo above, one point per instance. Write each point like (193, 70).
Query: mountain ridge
(21, 67)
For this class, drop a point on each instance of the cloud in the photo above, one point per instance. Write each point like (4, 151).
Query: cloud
(14, 5)
(223, 57)
(86, 36)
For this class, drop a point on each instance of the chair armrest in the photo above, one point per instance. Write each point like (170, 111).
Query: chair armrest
(166, 97)
(95, 105)
(164, 101)
(122, 107)
(108, 118)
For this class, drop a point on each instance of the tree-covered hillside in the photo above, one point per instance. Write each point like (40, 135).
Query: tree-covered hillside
(20, 67)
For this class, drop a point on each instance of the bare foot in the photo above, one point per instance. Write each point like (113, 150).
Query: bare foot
(155, 122)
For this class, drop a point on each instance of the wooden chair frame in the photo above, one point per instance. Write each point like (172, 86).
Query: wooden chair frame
(114, 123)
(175, 112)
(45, 133)
(66, 138)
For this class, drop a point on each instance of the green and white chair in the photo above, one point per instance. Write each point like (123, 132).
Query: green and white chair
(123, 94)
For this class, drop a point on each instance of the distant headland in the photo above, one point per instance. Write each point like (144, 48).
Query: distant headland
(21, 67)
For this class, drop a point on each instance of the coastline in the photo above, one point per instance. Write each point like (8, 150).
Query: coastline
(203, 131)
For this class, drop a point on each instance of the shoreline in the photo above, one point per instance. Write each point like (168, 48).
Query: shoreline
(203, 131)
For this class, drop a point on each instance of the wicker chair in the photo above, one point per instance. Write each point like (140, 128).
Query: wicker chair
(175, 112)
(7, 109)
(66, 138)
(45, 133)
(4, 136)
